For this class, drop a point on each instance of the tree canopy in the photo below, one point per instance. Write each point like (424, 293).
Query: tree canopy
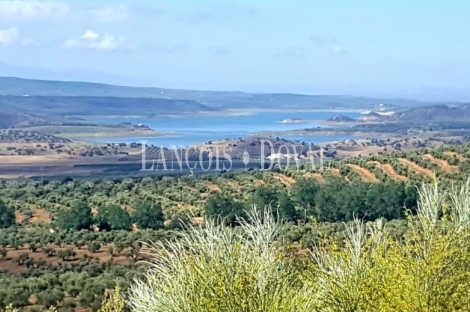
(78, 218)
(7, 216)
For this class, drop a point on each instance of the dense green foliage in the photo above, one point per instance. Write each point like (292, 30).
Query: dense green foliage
(149, 215)
(113, 217)
(225, 208)
(7, 216)
(78, 218)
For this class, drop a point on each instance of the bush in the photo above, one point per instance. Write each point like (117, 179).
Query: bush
(217, 268)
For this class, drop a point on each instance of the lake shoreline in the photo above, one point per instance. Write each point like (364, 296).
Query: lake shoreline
(222, 113)
(188, 130)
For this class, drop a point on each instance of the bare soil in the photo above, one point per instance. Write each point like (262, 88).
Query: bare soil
(442, 163)
(365, 174)
(415, 167)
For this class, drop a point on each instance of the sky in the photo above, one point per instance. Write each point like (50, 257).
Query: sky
(415, 49)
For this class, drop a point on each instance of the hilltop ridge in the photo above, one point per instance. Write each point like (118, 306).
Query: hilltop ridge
(21, 87)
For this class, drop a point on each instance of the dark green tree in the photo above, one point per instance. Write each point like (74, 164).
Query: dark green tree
(78, 218)
(265, 196)
(224, 209)
(113, 217)
(303, 194)
(149, 216)
(7, 216)
(94, 246)
(178, 222)
(287, 210)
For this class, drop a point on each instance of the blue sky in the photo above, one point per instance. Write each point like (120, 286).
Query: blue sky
(416, 49)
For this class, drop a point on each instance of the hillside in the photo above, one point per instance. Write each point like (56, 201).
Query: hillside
(61, 106)
(177, 193)
(428, 113)
(215, 99)
(12, 118)
(81, 264)
(436, 113)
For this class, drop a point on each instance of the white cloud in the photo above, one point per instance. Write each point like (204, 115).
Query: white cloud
(90, 35)
(112, 13)
(93, 40)
(339, 50)
(30, 9)
(8, 36)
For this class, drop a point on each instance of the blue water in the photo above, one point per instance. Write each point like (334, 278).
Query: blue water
(198, 130)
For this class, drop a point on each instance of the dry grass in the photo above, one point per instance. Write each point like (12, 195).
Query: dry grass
(415, 167)
(39, 215)
(235, 185)
(365, 174)
(388, 169)
(335, 171)
(287, 181)
(258, 183)
(316, 176)
(442, 163)
(213, 187)
(454, 154)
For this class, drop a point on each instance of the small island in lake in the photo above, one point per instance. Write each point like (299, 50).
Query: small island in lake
(341, 118)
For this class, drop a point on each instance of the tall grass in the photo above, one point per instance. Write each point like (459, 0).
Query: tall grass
(215, 268)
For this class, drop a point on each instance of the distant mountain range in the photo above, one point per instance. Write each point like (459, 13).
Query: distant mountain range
(60, 106)
(219, 99)
(51, 101)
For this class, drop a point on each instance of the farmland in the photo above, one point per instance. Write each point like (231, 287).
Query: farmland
(85, 259)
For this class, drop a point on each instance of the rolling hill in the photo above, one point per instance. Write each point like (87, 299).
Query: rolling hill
(61, 106)
(11, 118)
(215, 99)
